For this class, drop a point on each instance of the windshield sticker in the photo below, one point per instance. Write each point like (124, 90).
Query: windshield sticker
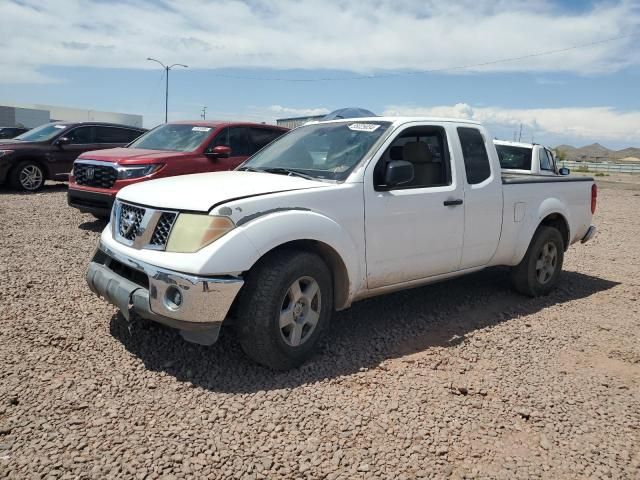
(364, 127)
(200, 129)
(59, 126)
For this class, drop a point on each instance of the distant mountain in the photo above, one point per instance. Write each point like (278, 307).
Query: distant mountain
(627, 152)
(597, 153)
(565, 148)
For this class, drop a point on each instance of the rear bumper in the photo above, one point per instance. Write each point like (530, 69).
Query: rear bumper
(91, 202)
(589, 235)
(150, 292)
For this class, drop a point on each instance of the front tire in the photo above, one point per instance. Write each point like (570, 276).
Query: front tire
(538, 271)
(27, 176)
(285, 308)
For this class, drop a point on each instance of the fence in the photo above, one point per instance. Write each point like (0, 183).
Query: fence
(602, 167)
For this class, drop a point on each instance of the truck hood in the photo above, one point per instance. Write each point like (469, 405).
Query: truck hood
(200, 192)
(130, 155)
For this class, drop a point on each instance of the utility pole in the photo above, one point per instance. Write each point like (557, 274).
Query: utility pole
(203, 115)
(520, 134)
(166, 90)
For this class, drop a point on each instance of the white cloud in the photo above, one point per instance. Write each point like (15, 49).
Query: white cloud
(297, 112)
(602, 123)
(312, 34)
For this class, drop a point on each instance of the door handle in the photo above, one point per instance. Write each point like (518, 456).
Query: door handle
(452, 203)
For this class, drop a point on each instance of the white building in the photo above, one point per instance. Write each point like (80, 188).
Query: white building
(34, 115)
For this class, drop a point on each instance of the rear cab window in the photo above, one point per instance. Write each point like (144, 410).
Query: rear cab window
(474, 153)
(514, 158)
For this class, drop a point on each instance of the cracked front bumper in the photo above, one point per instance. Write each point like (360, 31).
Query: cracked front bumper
(151, 292)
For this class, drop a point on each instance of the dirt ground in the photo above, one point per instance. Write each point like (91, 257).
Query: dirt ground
(465, 379)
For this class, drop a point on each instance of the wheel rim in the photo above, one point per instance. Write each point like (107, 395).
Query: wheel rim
(31, 177)
(547, 262)
(300, 311)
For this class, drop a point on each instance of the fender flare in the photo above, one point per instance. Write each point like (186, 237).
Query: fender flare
(271, 230)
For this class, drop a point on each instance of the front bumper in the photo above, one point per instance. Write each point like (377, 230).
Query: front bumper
(91, 202)
(150, 292)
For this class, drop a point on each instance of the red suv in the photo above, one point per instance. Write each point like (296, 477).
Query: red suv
(175, 148)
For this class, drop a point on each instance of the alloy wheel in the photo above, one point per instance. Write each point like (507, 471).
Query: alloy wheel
(546, 262)
(31, 177)
(300, 311)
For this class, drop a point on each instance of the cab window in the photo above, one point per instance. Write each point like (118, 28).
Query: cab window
(426, 149)
(474, 152)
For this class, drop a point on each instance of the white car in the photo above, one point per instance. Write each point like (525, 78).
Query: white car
(329, 214)
(529, 158)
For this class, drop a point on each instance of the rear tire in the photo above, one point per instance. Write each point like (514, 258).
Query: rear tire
(28, 176)
(538, 271)
(284, 308)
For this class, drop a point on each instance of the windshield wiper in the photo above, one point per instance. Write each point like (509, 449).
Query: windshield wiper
(248, 169)
(287, 171)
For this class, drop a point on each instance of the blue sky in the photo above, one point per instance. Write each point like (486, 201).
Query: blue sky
(246, 60)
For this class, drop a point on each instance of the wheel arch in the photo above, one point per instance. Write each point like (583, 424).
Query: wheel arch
(333, 260)
(559, 222)
(40, 163)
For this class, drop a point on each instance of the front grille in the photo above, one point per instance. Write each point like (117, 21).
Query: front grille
(129, 221)
(163, 228)
(91, 175)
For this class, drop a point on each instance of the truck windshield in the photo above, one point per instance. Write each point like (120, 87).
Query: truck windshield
(42, 133)
(514, 158)
(324, 150)
(175, 137)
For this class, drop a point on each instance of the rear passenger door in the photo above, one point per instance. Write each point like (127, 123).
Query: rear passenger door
(482, 197)
(415, 230)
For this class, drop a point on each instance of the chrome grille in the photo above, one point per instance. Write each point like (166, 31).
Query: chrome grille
(91, 175)
(129, 221)
(163, 228)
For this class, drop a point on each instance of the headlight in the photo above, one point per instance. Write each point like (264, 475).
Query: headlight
(5, 152)
(125, 173)
(191, 232)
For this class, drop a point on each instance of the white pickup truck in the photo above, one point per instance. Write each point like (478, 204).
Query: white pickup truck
(527, 158)
(328, 214)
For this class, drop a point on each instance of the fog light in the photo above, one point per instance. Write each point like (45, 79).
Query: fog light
(173, 298)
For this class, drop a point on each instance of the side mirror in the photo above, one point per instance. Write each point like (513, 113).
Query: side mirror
(219, 152)
(63, 141)
(398, 172)
(564, 171)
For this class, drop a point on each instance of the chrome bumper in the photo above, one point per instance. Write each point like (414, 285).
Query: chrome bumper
(589, 235)
(151, 292)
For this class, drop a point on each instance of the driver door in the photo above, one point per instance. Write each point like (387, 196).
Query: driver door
(62, 156)
(415, 230)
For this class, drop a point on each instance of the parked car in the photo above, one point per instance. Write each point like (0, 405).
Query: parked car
(11, 132)
(531, 158)
(328, 214)
(176, 148)
(47, 152)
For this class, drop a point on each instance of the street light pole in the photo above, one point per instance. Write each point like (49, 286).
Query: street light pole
(166, 90)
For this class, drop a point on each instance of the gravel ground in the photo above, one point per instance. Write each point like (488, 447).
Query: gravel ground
(460, 379)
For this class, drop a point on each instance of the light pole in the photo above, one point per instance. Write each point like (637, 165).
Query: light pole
(166, 91)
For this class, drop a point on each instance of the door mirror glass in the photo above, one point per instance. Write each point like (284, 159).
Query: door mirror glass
(63, 141)
(398, 172)
(564, 171)
(220, 151)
